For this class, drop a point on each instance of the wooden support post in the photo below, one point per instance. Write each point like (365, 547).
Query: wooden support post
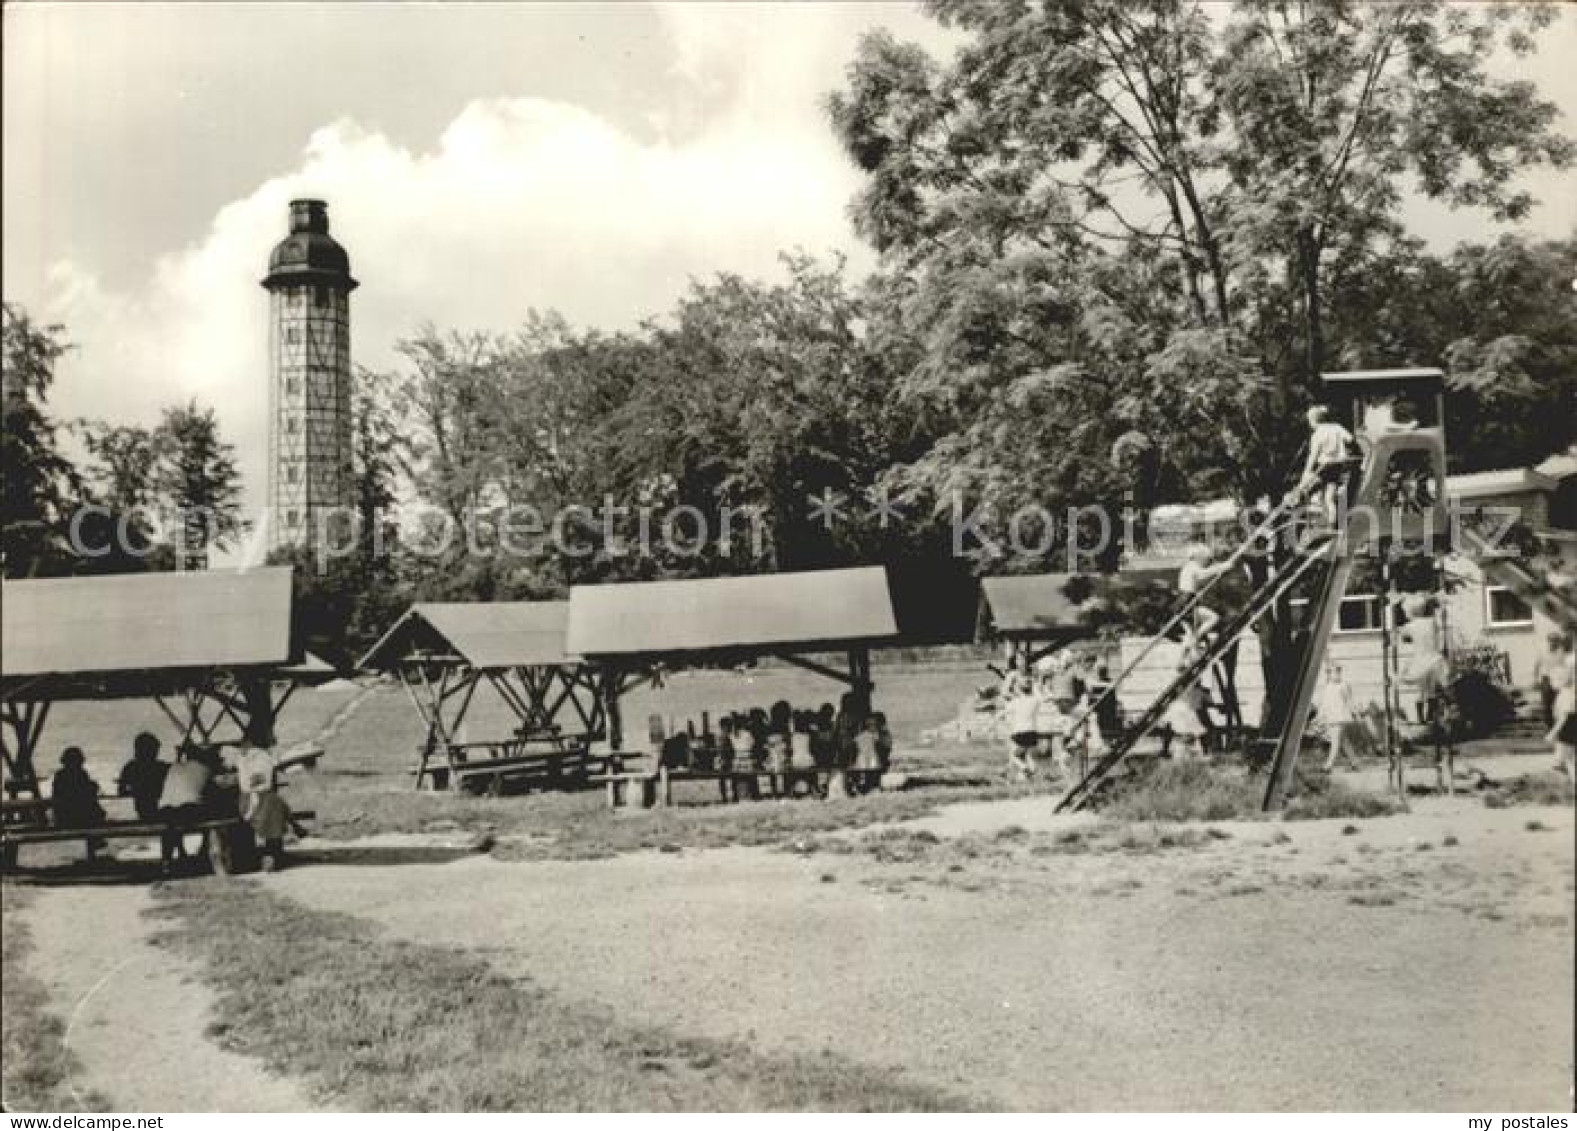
(860, 678)
(1394, 762)
(610, 690)
(258, 726)
(25, 720)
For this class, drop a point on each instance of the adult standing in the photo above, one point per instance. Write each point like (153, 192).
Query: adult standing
(1552, 671)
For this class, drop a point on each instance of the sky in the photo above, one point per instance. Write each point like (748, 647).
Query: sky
(478, 160)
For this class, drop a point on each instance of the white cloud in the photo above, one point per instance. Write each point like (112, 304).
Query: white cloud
(521, 203)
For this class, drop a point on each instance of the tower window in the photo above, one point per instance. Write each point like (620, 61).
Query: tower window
(292, 334)
(291, 425)
(292, 385)
(320, 296)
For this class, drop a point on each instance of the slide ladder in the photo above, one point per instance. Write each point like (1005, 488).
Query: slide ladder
(1271, 527)
(1319, 553)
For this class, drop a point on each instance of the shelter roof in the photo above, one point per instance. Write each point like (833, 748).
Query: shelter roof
(129, 633)
(810, 611)
(488, 635)
(1033, 606)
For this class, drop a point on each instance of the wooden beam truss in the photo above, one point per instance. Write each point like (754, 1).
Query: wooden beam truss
(561, 704)
(218, 708)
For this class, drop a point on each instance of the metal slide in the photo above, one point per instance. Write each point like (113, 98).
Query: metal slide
(1300, 697)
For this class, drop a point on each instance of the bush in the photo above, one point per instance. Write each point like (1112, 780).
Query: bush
(1185, 791)
(1478, 705)
(1320, 799)
(1530, 789)
(1200, 791)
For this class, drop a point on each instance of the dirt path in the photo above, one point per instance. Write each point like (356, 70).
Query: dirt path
(1240, 976)
(136, 1015)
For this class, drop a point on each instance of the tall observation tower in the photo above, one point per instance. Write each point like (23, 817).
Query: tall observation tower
(309, 425)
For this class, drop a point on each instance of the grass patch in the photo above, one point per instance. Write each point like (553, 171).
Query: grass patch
(1184, 791)
(35, 1065)
(1530, 789)
(1200, 791)
(1373, 899)
(385, 1025)
(953, 855)
(1325, 798)
(596, 832)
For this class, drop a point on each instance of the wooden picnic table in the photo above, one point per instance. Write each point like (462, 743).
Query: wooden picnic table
(20, 812)
(563, 761)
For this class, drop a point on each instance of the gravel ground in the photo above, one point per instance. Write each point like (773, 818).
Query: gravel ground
(1237, 976)
(1420, 962)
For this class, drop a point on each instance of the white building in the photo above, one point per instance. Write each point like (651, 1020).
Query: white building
(1478, 612)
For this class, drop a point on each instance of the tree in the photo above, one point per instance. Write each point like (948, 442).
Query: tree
(379, 460)
(1094, 185)
(122, 472)
(36, 480)
(117, 534)
(442, 392)
(759, 398)
(1498, 317)
(197, 483)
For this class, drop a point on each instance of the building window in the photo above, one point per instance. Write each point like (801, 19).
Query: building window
(291, 425)
(320, 296)
(290, 475)
(1359, 613)
(292, 385)
(292, 335)
(1504, 609)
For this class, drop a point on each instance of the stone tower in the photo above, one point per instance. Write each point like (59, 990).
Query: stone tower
(309, 423)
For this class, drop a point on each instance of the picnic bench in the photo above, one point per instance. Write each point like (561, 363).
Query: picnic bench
(305, 757)
(656, 785)
(227, 838)
(227, 841)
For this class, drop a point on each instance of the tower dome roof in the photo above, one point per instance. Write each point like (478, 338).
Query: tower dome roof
(309, 255)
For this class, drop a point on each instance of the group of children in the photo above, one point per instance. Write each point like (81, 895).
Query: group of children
(852, 746)
(1051, 709)
(196, 786)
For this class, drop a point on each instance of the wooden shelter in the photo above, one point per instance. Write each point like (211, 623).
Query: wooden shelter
(801, 618)
(1035, 613)
(443, 653)
(212, 648)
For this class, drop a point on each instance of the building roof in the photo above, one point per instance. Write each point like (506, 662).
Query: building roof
(762, 613)
(309, 254)
(129, 629)
(1032, 606)
(1561, 465)
(1503, 481)
(1395, 376)
(487, 635)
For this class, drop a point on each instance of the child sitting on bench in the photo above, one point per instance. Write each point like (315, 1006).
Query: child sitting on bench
(74, 797)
